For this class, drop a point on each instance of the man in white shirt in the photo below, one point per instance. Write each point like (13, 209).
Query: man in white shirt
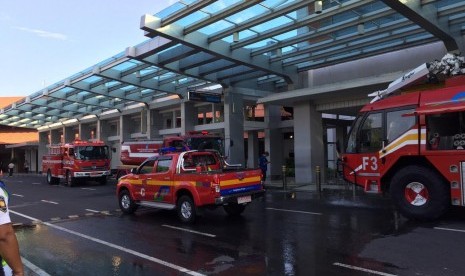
(9, 248)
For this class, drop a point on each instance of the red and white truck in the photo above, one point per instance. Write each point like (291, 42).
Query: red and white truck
(133, 153)
(79, 160)
(187, 181)
(413, 144)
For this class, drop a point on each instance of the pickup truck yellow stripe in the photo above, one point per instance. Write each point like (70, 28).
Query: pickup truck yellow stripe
(247, 180)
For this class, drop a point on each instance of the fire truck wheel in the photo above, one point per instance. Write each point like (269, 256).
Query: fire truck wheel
(126, 203)
(186, 209)
(50, 179)
(420, 193)
(69, 180)
(234, 209)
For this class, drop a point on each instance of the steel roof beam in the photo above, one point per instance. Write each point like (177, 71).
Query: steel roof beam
(177, 53)
(310, 19)
(262, 18)
(228, 11)
(196, 60)
(426, 17)
(141, 55)
(221, 49)
(187, 10)
(327, 30)
(365, 54)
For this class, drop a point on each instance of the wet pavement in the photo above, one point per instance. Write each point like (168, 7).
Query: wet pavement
(286, 233)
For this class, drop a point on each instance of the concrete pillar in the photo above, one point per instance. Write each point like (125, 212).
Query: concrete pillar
(273, 141)
(252, 149)
(188, 117)
(68, 134)
(55, 136)
(308, 143)
(234, 128)
(156, 123)
(42, 148)
(125, 127)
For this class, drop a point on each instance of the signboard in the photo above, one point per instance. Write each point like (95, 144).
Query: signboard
(203, 97)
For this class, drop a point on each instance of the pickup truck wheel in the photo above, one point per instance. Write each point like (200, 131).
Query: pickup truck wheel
(186, 209)
(126, 203)
(234, 209)
(420, 193)
(50, 179)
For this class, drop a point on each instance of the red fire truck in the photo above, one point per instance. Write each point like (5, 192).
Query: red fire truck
(79, 160)
(413, 144)
(133, 153)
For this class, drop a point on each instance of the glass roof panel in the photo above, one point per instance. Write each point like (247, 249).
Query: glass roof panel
(214, 27)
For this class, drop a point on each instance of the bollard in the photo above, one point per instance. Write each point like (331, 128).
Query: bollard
(318, 180)
(284, 178)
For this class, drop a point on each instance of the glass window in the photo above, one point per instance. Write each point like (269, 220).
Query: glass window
(397, 124)
(446, 131)
(163, 165)
(371, 133)
(352, 141)
(147, 167)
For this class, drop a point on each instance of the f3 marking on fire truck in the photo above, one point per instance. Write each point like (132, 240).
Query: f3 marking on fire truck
(368, 162)
(408, 138)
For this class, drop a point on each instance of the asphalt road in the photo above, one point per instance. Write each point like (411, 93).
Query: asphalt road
(80, 231)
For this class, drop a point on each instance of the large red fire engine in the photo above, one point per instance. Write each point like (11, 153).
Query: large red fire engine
(80, 160)
(413, 144)
(133, 153)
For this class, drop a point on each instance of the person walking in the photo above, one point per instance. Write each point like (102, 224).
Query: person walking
(263, 164)
(9, 247)
(11, 167)
(26, 166)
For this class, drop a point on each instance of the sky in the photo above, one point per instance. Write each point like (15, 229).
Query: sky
(46, 41)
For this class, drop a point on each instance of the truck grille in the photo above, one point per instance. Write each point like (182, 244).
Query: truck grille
(94, 168)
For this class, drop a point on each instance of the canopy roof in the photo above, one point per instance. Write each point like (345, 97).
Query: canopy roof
(263, 45)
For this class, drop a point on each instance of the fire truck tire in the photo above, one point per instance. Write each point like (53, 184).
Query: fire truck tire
(186, 209)
(69, 180)
(420, 193)
(50, 179)
(126, 203)
(234, 209)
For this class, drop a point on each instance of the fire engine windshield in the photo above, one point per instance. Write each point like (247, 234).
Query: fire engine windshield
(200, 143)
(91, 152)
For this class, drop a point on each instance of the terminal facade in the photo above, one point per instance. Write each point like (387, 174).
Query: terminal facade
(292, 96)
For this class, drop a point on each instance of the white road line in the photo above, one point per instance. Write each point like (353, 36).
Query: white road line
(450, 229)
(47, 201)
(93, 211)
(295, 211)
(37, 270)
(127, 250)
(18, 195)
(190, 231)
(90, 189)
(363, 269)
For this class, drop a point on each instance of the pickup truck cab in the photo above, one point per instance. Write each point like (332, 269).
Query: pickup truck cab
(187, 181)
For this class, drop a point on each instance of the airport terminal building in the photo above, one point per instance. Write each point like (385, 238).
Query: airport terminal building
(281, 76)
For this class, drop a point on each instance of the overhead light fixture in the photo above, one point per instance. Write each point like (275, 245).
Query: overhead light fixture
(318, 7)
(236, 37)
(361, 29)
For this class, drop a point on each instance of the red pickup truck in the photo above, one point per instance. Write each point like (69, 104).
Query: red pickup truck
(188, 180)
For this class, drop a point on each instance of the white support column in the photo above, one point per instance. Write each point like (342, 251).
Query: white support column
(252, 149)
(273, 141)
(308, 143)
(234, 128)
(188, 117)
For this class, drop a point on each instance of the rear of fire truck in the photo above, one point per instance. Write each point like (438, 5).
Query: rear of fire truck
(412, 145)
